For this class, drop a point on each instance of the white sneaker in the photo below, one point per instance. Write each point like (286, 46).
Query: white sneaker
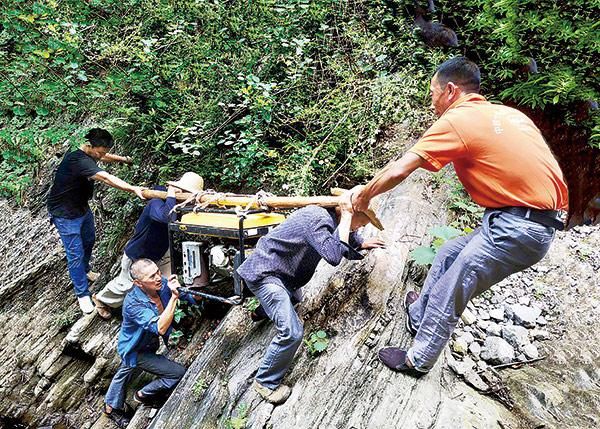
(86, 305)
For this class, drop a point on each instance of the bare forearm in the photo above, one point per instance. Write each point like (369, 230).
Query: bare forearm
(344, 226)
(113, 181)
(389, 177)
(166, 318)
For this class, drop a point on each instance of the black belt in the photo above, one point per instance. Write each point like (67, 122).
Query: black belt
(544, 217)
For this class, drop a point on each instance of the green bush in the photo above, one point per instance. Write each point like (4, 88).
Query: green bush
(285, 96)
(316, 343)
(562, 37)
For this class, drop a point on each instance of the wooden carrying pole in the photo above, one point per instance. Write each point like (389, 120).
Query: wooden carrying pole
(244, 200)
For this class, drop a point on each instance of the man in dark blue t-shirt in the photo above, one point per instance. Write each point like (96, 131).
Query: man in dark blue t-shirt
(150, 241)
(69, 210)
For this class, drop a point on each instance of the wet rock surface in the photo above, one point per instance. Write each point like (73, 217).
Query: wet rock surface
(55, 366)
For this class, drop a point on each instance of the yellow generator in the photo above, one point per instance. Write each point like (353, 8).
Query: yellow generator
(208, 245)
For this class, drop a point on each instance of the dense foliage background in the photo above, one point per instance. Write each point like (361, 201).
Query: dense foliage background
(284, 95)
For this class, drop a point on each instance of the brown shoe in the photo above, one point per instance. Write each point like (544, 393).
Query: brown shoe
(102, 309)
(276, 396)
(92, 276)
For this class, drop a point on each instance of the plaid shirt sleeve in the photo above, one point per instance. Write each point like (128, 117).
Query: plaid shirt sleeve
(327, 243)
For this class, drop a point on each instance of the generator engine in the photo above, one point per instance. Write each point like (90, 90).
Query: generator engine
(221, 259)
(207, 246)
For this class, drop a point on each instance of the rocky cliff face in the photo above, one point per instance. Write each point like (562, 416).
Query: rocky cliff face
(55, 366)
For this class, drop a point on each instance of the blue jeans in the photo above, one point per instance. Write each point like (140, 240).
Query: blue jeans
(464, 268)
(169, 372)
(277, 303)
(78, 236)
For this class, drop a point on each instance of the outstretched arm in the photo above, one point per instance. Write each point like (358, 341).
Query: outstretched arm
(387, 178)
(115, 182)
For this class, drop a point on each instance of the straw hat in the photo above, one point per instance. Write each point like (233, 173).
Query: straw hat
(189, 182)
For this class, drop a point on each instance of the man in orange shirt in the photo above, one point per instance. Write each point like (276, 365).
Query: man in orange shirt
(503, 162)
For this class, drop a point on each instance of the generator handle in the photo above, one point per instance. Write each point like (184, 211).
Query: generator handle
(233, 300)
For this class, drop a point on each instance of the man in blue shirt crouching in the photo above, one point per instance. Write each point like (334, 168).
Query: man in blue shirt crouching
(148, 312)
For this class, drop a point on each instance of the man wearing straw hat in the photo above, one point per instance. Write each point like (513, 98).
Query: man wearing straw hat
(284, 261)
(150, 241)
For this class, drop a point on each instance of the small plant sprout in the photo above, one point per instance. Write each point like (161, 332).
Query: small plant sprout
(251, 304)
(240, 420)
(198, 388)
(317, 343)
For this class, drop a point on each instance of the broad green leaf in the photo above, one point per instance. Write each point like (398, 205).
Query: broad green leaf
(423, 255)
(321, 346)
(19, 111)
(445, 232)
(176, 334)
(321, 334)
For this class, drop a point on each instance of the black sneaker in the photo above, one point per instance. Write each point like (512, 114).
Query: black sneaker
(119, 417)
(410, 297)
(395, 359)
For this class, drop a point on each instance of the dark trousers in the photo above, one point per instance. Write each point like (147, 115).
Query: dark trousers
(169, 374)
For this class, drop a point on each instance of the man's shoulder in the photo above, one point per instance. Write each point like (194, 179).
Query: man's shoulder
(75, 154)
(309, 215)
(134, 298)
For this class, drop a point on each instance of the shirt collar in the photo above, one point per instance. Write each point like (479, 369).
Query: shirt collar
(140, 295)
(473, 96)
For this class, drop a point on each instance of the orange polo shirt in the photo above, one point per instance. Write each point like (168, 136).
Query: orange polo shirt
(499, 155)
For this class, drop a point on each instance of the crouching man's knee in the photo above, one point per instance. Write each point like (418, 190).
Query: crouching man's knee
(177, 373)
(296, 334)
(180, 372)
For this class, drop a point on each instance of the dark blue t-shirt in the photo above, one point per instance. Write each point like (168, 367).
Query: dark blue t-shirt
(72, 187)
(151, 236)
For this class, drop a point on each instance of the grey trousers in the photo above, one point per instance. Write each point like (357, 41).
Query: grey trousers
(169, 372)
(277, 303)
(464, 268)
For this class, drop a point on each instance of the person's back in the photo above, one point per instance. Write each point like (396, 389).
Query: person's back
(498, 153)
(72, 187)
(291, 252)
(151, 236)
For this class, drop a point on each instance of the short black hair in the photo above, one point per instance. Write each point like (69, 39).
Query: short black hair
(99, 137)
(460, 71)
